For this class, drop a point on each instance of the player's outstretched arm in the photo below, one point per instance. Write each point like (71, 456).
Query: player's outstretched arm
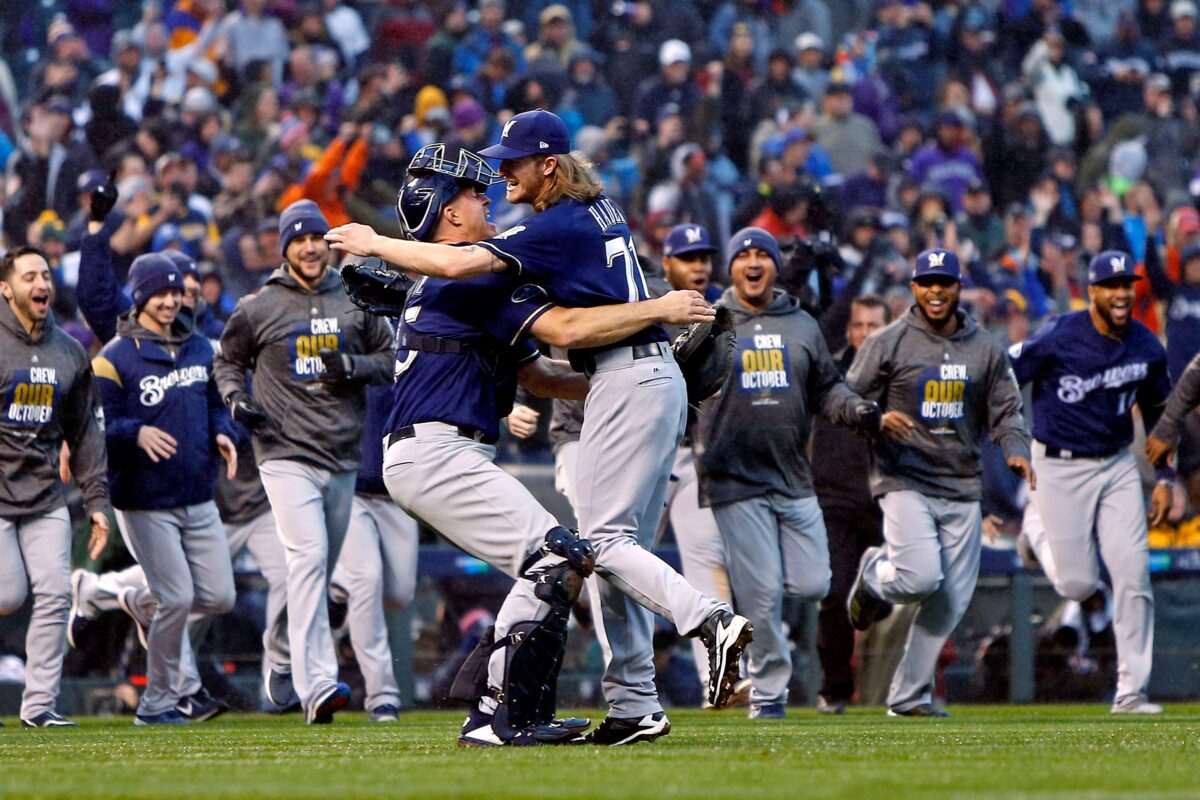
(1164, 437)
(549, 377)
(602, 325)
(436, 260)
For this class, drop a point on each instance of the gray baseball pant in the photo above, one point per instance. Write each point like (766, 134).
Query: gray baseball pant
(377, 568)
(930, 557)
(35, 554)
(452, 484)
(634, 418)
(185, 556)
(701, 548)
(1087, 502)
(311, 506)
(775, 545)
(258, 535)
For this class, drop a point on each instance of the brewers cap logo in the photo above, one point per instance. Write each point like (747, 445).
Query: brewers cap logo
(693, 235)
(937, 259)
(1118, 263)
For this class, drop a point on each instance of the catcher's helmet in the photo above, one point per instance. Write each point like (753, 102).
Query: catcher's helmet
(435, 175)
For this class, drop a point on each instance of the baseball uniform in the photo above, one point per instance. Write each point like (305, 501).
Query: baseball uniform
(1089, 496)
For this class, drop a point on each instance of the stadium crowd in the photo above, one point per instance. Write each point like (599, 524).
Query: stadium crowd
(1027, 136)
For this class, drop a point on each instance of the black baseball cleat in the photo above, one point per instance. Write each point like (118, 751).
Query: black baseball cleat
(328, 703)
(923, 710)
(864, 608)
(128, 603)
(48, 719)
(615, 731)
(726, 635)
(201, 707)
(1026, 553)
(280, 692)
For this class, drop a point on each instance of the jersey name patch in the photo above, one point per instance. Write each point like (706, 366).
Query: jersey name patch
(155, 387)
(1072, 388)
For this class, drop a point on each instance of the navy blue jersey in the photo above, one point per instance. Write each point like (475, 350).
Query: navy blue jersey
(491, 314)
(1085, 383)
(582, 253)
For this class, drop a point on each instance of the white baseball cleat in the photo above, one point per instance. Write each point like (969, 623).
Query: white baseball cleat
(1135, 705)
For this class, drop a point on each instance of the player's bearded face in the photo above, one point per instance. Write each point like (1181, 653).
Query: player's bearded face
(937, 298)
(1113, 301)
(524, 178)
(307, 256)
(753, 272)
(163, 307)
(689, 271)
(29, 288)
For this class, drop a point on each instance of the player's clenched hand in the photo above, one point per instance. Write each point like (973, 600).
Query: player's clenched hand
(683, 307)
(352, 238)
(1160, 504)
(993, 528)
(228, 452)
(522, 421)
(1024, 469)
(1158, 451)
(897, 426)
(157, 443)
(99, 537)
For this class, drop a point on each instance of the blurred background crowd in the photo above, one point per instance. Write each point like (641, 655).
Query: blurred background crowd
(1027, 135)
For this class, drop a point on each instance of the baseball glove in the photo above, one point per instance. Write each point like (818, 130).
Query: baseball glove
(705, 355)
(376, 287)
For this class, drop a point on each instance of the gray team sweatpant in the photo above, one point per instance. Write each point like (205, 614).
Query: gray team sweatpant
(312, 508)
(634, 418)
(377, 568)
(775, 545)
(185, 556)
(930, 557)
(701, 548)
(1088, 502)
(452, 484)
(35, 553)
(258, 535)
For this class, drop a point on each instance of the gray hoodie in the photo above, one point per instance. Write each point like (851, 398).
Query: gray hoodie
(277, 334)
(1184, 397)
(754, 433)
(955, 388)
(49, 397)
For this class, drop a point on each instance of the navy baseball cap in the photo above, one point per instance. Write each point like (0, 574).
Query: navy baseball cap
(937, 263)
(1112, 265)
(530, 133)
(687, 239)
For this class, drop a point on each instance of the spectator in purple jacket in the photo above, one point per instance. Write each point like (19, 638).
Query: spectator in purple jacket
(947, 164)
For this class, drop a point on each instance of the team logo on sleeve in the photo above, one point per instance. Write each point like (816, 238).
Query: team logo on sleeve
(763, 367)
(943, 395)
(306, 342)
(30, 401)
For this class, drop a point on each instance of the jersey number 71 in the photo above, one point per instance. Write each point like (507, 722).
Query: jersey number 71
(622, 247)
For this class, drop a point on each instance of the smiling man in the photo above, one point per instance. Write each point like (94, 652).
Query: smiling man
(312, 354)
(944, 383)
(49, 398)
(1088, 369)
(753, 468)
(166, 431)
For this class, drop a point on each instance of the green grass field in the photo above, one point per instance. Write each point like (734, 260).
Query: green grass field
(982, 752)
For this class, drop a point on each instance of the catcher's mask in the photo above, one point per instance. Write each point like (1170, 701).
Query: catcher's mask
(435, 175)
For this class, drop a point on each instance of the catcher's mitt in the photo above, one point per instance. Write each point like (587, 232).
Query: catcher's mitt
(376, 287)
(705, 355)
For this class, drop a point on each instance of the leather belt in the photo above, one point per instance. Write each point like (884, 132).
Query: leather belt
(432, 344)
(409, 431)
(587, 364)
(1071, 455)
